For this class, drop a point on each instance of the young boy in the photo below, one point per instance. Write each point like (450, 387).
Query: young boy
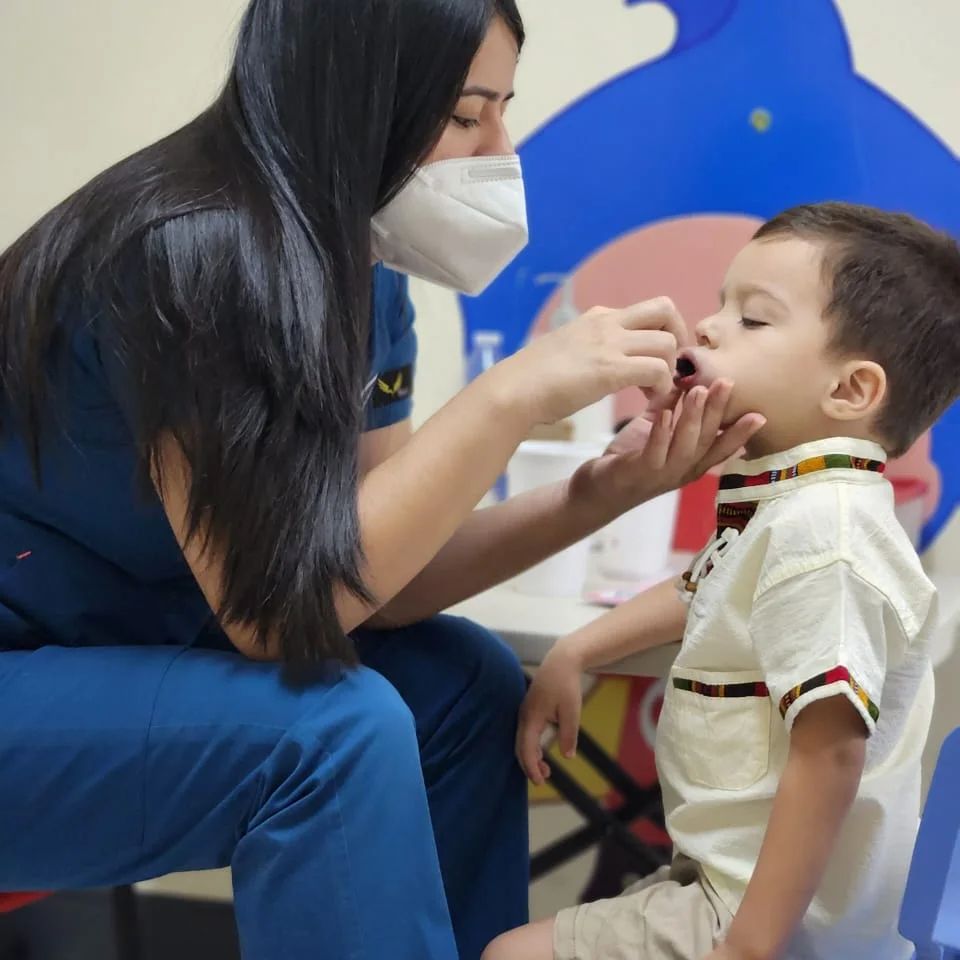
(795, 716)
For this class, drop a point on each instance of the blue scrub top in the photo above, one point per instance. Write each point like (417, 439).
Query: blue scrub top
(89, 558)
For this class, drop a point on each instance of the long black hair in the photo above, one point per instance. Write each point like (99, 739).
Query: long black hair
(227, 271)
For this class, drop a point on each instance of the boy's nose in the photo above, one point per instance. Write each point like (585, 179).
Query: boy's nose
(706, 333)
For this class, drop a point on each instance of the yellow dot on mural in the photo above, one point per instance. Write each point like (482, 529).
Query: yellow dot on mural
(761, 119)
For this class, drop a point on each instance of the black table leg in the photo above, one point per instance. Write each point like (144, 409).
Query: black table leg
(603, 825)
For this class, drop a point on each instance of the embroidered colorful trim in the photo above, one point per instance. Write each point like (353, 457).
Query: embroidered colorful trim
(829, 461)
(735, 515)
(836, 675)
(723, 690)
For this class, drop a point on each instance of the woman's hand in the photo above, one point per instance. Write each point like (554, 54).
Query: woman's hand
(555, 697)
(595, 355)
(651, 456)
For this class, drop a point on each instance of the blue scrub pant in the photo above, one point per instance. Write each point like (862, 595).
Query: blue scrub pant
(366, 813)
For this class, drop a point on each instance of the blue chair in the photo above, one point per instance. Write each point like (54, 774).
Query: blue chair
(930, 915)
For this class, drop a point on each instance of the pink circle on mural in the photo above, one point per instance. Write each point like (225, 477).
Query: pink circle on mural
(687, 259)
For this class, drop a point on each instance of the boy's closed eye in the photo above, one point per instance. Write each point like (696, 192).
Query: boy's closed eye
(749, 324)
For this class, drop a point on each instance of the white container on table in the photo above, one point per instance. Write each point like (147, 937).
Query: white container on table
(637, 545)
(535, 464)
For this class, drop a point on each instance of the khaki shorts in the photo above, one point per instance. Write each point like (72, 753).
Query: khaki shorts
(668, 916)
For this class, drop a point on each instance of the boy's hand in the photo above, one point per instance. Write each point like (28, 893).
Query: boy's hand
(554, 697)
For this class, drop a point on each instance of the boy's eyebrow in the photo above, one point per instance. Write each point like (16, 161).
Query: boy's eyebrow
(746, 289)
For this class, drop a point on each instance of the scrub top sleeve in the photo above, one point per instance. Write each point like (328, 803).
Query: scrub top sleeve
(394, 351)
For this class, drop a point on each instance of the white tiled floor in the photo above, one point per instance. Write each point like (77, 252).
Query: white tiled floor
(562, 887)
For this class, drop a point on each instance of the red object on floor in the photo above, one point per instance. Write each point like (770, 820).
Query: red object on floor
(14, 901)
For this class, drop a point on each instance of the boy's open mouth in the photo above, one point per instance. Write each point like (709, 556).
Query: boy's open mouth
(686, 370)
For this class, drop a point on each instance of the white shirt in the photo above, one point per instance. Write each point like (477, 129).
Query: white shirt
(821, 594)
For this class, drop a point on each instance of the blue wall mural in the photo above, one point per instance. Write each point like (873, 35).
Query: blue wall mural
(755, 108)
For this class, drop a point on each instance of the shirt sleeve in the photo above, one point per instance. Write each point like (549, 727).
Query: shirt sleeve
(823, 634)
(394, 351)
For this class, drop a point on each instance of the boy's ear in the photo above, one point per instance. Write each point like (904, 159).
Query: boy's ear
(858, 391)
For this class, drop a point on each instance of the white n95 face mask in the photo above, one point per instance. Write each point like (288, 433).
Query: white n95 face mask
(457, 222)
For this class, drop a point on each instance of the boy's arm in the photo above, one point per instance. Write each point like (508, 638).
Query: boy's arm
(653, 618)
(818, 786)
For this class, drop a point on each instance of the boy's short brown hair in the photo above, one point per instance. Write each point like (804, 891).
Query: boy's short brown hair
(895, 299)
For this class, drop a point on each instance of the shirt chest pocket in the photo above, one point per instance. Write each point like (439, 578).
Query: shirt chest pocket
(718, 727)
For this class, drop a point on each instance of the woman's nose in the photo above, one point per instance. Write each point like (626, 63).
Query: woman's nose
(497, 142)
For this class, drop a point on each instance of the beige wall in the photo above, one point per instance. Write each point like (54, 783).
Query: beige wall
(83, 82)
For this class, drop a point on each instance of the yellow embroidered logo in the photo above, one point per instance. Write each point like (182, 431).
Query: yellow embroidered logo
(391, 389)
(392, 386)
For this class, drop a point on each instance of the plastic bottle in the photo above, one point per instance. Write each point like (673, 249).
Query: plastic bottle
(596, 421)
(486, 349)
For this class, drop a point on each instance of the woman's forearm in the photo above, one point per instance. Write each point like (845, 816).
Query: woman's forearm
(493, 545)
(413, 503)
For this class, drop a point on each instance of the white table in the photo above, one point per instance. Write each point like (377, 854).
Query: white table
(531, 625)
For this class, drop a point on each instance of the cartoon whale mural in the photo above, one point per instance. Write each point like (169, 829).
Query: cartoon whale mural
(649, 183)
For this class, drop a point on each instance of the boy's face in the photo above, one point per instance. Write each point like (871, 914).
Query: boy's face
(770, 338)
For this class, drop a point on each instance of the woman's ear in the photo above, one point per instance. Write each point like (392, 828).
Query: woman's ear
(858, 391)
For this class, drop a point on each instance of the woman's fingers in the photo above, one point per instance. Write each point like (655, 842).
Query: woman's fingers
(658, 444)
(651, 343)
(653, 375)
(688, 427)
(732, 440)
(667, 401)
(657, 314)
(700, 422)
(597, 354)
(714, 413)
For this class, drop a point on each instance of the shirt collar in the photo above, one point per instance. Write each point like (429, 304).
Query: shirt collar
(835, 458)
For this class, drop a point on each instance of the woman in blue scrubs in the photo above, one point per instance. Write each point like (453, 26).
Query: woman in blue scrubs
(225, 553)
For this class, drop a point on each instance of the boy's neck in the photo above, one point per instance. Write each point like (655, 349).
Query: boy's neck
(762, 446)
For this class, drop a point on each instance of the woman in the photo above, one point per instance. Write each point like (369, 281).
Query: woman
(210, 519)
